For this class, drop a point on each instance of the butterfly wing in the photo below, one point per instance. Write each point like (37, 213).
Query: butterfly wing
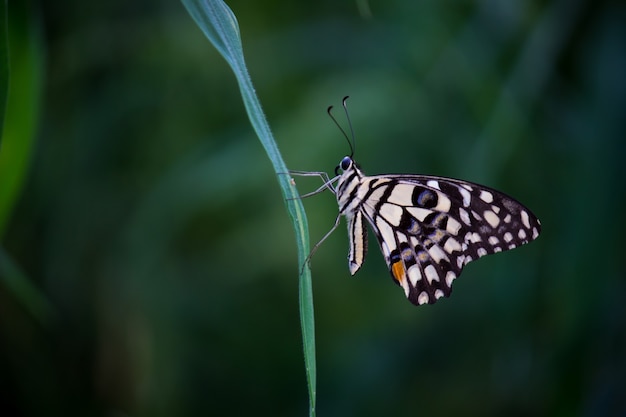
(430, 227)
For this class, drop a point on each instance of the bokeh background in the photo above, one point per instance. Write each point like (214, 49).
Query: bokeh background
(148, 264)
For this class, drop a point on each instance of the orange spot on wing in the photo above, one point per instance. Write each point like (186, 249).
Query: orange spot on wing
(397, 269)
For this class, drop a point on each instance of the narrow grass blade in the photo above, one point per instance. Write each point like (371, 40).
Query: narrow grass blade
(219, 24)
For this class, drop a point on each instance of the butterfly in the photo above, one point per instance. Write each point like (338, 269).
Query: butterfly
(428, 227)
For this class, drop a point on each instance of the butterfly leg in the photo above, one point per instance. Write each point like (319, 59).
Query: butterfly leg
(328, 182)
(323, 175)
(317, 245)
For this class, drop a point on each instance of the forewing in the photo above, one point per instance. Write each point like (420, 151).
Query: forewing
(429, 228)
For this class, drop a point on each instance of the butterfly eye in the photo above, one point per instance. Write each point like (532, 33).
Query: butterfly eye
(346, 162)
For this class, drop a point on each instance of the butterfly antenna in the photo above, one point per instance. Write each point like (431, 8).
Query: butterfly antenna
(345, 109)
(341, 129)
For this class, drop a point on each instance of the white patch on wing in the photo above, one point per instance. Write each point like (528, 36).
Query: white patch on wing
(467, 197)
(437, 253)
(491, 218)
(422, 298)
(402, 195)
(443, 203)
(465, 216)
(450, 276)
(525, 219)
(406, 287)
(386, 232)
(486, 196)
(414, 274)
(376, 195)
(392, 213)
(473, 237)
(431, 274)
(453, 226)
(452, 245)
(433, 184)
(418, 212)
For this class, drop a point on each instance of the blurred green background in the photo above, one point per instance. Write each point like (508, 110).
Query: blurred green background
(148, 266)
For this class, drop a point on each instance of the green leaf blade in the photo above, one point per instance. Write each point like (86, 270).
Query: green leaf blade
(219, 24)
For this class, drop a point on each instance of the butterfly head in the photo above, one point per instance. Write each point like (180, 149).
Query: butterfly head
(346, 163)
